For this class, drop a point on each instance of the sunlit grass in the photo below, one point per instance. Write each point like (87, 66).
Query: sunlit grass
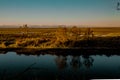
(55, 37)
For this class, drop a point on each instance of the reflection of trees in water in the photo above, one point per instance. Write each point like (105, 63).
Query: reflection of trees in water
(61, 62)
(88, 61)
(72, 64)
(75, 62)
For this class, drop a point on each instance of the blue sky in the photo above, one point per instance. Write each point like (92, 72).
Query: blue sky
(59, 12)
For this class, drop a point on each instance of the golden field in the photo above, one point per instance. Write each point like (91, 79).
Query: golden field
(61, 37)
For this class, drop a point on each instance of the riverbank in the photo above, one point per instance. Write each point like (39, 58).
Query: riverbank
(90, 43)
(61, 51)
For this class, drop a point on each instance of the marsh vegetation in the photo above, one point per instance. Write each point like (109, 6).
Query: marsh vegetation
(61, 37)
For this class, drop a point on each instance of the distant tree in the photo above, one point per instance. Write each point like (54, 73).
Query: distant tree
(61, 34)
(20, 27)
(26, 28)
(75, 32)
(89, 33)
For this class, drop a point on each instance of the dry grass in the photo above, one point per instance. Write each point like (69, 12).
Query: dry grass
(51, 37)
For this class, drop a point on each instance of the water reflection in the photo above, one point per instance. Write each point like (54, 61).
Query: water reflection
(61, 62)
(75, 62)
(88, 61)
(16, 66)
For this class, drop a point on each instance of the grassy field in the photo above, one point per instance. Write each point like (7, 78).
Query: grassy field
(97, 30)
(61, 37)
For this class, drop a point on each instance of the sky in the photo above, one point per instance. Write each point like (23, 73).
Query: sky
(60, 12)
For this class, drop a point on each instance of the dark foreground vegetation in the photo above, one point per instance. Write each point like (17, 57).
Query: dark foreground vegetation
(62, 37)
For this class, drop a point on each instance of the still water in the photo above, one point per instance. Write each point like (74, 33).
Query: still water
(58, 67)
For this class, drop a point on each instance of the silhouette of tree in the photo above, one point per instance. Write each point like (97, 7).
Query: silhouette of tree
(26, 28)
(89, 33)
